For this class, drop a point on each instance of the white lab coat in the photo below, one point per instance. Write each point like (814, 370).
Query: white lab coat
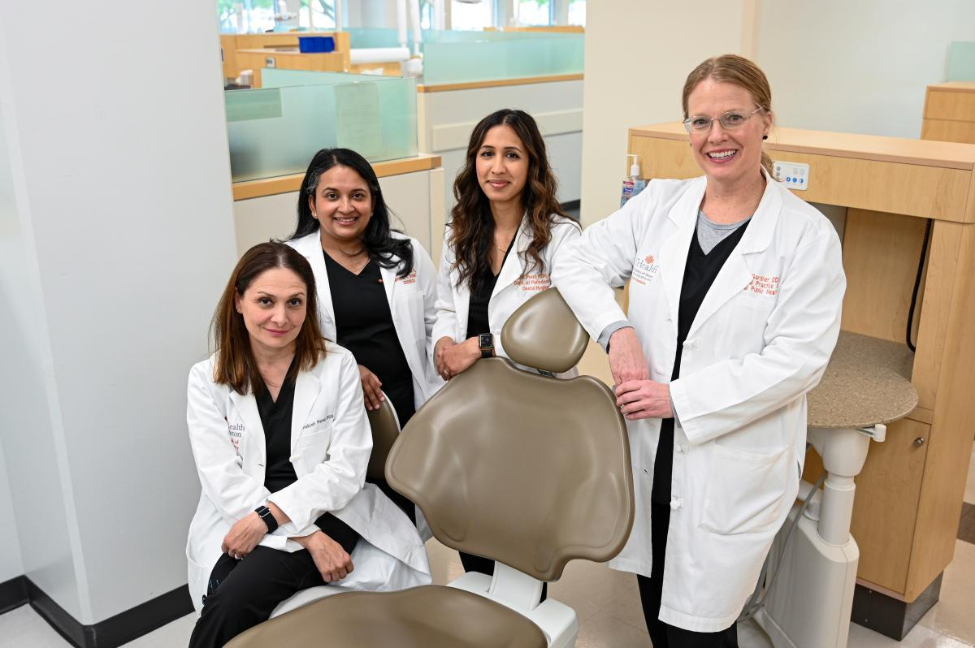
(330, 444)
(412, 302)
(759, 343)
(513, 288)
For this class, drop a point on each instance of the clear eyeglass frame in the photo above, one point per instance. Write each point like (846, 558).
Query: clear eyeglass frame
(729, 121)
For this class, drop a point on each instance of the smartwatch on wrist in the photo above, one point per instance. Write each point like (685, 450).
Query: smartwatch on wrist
(268, 517)
(485, 342)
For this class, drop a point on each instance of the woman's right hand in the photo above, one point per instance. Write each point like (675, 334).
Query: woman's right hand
(439, 349)
(626, 359)
(372, 389)
(330, 558)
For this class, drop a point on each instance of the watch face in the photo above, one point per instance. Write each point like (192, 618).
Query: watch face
(485, 341)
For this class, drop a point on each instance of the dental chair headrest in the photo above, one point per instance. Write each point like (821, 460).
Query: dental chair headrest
(544, 334)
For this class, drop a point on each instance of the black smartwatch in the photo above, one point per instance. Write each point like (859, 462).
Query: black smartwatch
(485, 342)
(268, 517)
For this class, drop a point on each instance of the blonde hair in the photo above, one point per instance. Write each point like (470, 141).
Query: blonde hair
(739, 71)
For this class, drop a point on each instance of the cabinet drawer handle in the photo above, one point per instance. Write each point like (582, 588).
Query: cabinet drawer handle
(918, 442)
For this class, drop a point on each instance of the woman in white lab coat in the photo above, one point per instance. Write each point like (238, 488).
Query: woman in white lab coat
(505, 232)
(281, 443)
(376, 286)
(736, 288)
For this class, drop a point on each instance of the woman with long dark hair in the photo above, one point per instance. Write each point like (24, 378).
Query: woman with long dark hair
(281, 442)
(505, 231)
(376, 286)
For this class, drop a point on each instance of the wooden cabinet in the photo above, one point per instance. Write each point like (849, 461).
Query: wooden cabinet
(910, 492)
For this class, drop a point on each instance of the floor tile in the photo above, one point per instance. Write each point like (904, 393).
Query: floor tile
(603, 631)
(24, 627)
(954, 613)
(919, 637)
(170, 635)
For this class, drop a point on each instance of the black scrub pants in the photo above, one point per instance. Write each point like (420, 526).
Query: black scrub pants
(243, 593)
(651, 589)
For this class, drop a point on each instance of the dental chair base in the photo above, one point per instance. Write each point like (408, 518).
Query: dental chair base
(810, 603)
(520, 593)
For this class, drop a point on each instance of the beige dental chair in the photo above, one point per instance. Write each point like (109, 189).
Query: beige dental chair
(526, 469)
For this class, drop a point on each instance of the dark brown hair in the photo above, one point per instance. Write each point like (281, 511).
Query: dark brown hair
(472, 225)
(739, 71)
(235, 365)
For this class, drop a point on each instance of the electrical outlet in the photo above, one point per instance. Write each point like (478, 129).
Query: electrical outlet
(793, 174)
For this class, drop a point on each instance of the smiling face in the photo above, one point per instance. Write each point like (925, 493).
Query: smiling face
(502, 165)
(342, 205)
(727, 157)
(273, 308)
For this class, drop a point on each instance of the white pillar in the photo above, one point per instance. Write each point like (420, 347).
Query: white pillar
(116, 237)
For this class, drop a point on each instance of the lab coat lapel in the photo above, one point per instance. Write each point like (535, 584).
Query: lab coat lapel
(673, 252)
(311, 248)
(512, 268)
(735, 275)
(246, 406)
(389, 283)
(306, 393)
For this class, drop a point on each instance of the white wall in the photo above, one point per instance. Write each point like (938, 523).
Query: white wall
(111, 265)
(858, 67)
(638, 53)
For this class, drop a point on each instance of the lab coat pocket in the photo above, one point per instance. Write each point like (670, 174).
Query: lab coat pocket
(312, 448)
(744, 490)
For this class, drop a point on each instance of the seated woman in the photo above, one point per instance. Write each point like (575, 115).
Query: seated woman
(376, 286)
(281, 442)
(505, 232)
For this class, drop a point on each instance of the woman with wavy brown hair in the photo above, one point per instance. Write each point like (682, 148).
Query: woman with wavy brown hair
(499, 247)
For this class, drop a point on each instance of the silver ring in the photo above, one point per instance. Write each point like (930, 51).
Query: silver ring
(236, 556)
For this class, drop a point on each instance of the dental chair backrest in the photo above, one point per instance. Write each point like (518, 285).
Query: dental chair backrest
(385, 431)
(526, 469)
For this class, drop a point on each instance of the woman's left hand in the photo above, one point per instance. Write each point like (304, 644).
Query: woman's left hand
(641, 399)
(244, 536)
(459, 357)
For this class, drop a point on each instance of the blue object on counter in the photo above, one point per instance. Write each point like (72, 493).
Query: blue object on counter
(316, 44)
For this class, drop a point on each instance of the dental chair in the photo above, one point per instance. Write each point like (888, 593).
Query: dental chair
(520, 467)
(385, 431)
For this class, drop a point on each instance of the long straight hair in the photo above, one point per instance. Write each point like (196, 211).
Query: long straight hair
(472, 224)
(377, 239)
(739, 71)
(235, 364)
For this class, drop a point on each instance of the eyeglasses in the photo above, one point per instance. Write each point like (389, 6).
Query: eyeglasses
(729, 121)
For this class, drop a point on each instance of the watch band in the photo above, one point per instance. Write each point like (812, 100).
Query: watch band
(485, 342)
(268, 517)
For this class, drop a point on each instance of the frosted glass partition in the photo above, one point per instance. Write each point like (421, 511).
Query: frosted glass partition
(275, 131)
(541, 55)
(961, 61)
(365, 37)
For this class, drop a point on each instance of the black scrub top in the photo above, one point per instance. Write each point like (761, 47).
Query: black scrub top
(364, 326)
(477, 310)
(279, 471)
(700, 272)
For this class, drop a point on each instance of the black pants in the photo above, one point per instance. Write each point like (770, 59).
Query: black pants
(481, 565)
(661, 634)
(243, 593)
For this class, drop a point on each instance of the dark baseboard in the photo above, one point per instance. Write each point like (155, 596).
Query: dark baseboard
(13, 594)
(889, 616)
(571, 204)
(117, 630)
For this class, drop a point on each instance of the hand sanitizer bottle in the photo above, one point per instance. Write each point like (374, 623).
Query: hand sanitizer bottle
(633, 184)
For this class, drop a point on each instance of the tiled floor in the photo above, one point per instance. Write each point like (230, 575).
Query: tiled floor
(608, 603)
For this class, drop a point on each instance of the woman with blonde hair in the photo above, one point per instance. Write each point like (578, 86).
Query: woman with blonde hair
(736, 287)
